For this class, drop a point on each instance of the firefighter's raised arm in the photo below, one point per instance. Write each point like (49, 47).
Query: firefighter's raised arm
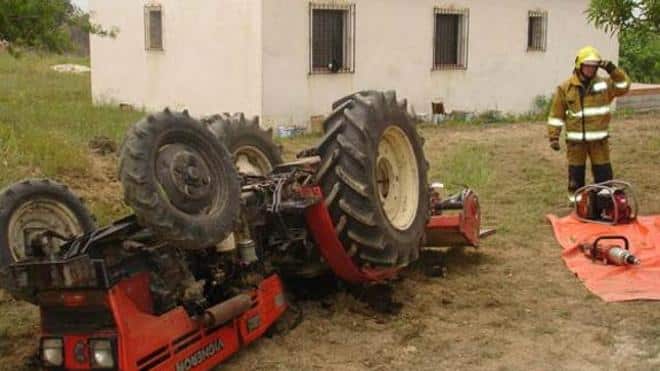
(619, 82)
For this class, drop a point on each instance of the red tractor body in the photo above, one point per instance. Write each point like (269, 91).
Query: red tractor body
(142, 340)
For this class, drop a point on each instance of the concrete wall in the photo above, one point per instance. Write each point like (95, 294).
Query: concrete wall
(253, 56)
(641, 98)
(394, 50)
(211, 60)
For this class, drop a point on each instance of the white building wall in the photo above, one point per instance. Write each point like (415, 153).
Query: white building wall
(211, 60)
(394, 50)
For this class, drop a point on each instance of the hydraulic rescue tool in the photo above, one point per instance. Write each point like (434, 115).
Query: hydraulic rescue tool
(615, 254)
(612, 202)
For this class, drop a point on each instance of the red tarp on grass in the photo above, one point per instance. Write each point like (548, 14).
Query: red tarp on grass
(610, 282)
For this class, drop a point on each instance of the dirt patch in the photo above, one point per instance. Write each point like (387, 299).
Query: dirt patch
(4, 296)
(102, 145)
(18, 334)
(100, 188)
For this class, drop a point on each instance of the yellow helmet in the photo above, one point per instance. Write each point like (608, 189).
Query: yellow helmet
(587, 55)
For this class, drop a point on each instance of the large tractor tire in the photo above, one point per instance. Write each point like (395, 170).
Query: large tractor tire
(253, 149)
(32, 207)
(374, 178)
(180, 180)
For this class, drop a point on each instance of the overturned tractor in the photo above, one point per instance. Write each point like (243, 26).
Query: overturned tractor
(193, 275)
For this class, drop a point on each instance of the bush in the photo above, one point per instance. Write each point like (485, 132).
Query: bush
(542, 105)
(640, 55)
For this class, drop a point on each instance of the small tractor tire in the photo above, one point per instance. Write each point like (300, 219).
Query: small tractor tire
(33, 206)
(374, 178)
(179, 180)
(253, 148)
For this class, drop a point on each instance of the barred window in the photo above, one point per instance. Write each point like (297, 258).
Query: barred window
(153, 28)
(332, 41)
(537, 31)
(450, 47)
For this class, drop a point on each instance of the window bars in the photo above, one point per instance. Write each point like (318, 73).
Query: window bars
(153, 27)
(450, 40)
(537, 31)
(331, 37)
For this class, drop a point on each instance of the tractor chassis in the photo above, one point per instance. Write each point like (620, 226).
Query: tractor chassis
(142, 340)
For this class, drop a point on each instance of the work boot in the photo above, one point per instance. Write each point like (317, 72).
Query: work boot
(576, 175)
(602, 173)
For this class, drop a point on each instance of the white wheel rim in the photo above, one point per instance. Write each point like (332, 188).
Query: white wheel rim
(397, 178)
(38, 216)
(252, 161)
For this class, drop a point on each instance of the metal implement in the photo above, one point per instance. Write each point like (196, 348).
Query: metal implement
(612, 202)
(455, 220)
(614, 254)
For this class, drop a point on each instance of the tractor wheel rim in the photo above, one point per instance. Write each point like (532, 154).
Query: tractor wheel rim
(397, 178)
(252, 161)
(186, 177)
(35, 217)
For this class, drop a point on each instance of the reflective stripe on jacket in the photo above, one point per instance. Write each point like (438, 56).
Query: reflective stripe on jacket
(586, 116)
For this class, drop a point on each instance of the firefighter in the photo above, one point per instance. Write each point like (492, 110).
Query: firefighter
(582, 105)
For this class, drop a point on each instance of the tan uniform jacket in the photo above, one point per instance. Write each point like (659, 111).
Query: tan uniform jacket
(585, 112)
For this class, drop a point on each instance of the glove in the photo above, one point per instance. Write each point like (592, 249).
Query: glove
(607, 65)
(554, 144)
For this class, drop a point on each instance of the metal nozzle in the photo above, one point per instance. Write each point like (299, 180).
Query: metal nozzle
(621, 256)
(633, 260)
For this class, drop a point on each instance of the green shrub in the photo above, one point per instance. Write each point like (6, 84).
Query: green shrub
(640, 55)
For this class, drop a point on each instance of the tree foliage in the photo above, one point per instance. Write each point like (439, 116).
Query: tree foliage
(622, 15)
(637, 23)
(640, 55)
(43, 24)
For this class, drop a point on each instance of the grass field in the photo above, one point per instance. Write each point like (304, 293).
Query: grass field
(509, 305)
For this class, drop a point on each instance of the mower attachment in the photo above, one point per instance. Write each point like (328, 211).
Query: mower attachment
(460, 228)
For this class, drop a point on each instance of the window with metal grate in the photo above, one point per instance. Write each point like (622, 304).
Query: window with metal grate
(332, 45)
(450, 46)
(153, 28)
(537, 31)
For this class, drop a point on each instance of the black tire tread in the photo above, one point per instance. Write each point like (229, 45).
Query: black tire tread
(347, 176)
(15, 195)
(235, 131)
(143, 193)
